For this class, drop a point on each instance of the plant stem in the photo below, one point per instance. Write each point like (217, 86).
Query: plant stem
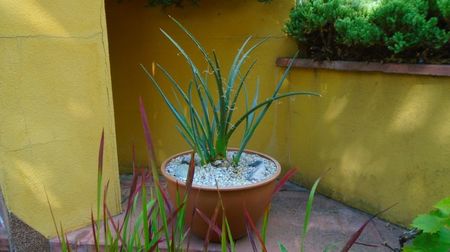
(221, 147)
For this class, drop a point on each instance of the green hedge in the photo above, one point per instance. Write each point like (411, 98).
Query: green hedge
(180, 2)
(412, 31)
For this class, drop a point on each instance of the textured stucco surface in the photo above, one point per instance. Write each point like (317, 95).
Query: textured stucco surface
(55, 96)
(386, 137)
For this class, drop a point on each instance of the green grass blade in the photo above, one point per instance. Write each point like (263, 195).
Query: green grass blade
(230, 237)
(194, 68)
(285, 74)
(249, 133)
(234, 71)
(282, 247)
(180, 118)
(223, 238)
(198, 143)
(207, 128)
(185, 137)
(236, 61)
(181, 92)
(232, 105)
(213, 64)
(251, 116)
(144, 214)
(264, 103)
(308, 211)
(265, 223)
(222, 104)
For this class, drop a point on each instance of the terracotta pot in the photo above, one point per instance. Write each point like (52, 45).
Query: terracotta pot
(254, 197)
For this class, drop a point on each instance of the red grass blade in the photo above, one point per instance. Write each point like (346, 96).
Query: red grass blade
(153, 248)
(250, 237)
(354, 238)
(209, 222)
(53, 216)
(105, 217)
(148, 139)
(100, 153)
(188, 228)
(172, 216)
(68, 244)
(165, 197)
(94, 233)
(115, 226)
(131, 195)
(254, 229)
(190, 175)
(284, 179)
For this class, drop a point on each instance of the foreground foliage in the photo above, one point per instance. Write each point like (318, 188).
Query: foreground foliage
(415, 31)
(152, 223)
(434, 229)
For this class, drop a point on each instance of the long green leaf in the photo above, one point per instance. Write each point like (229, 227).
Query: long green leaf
(213, 64)
(236, 95)
(234, 71)
(249, 120)
(180, 118)
(264, 103)
(194, 68)
(250, 132)
(308, 211)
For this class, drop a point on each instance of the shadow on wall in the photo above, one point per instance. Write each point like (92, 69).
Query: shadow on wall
(386, 138)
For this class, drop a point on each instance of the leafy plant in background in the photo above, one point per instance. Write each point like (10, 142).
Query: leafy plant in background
(434, 229)
(208, 128)
(311, 23)
(406, 27)
(384, 30)
(440, 9)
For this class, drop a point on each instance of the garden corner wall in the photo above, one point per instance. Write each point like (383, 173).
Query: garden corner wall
(55, 96)
(386, 138)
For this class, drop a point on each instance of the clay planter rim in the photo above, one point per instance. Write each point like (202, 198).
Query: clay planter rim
(230, 188)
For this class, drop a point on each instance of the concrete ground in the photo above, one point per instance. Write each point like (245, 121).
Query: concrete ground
(4, 237)
(332, 224)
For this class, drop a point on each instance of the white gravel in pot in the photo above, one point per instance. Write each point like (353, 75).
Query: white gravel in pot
(252, 168)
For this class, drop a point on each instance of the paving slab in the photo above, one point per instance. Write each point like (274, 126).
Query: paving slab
(332, 224)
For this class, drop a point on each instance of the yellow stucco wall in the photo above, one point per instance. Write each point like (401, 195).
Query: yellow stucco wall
(386, 137)
(55, 96)
(220, 25)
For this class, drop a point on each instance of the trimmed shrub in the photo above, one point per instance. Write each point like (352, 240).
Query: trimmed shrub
(388, 30)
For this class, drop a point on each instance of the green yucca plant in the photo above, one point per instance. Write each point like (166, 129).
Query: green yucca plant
(208, 128)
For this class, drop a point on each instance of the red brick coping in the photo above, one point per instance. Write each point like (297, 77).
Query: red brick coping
(415, 69)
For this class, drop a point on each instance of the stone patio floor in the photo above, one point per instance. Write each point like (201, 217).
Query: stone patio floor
(332, 224)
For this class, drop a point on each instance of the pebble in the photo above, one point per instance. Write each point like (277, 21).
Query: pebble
(252, 168)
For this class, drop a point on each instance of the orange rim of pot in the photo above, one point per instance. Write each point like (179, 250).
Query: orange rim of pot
(230, 188)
